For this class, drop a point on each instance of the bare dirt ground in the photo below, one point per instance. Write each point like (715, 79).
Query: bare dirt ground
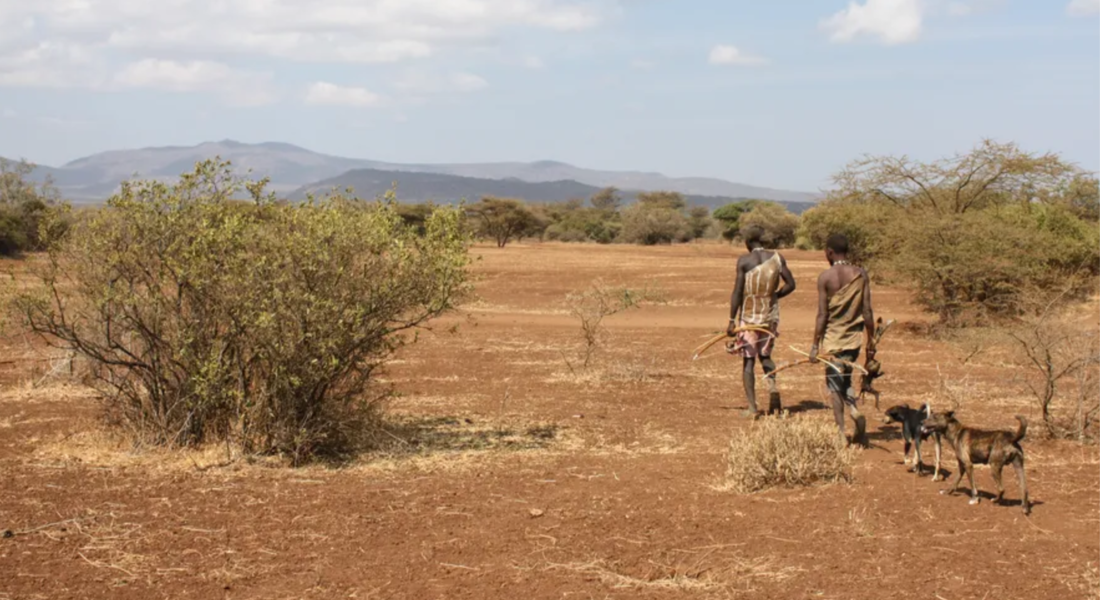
(510, 476)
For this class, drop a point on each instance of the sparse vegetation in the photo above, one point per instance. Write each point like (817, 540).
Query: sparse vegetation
(652, 223)
(1061, 359)
(598, 302)
(729, 216)
(502, 219)
(780, 225)
(260, 324)
(573, 222)
(31, 214)
(788, 451)
(968, 232)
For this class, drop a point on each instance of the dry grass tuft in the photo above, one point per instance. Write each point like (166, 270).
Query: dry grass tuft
(787, 452)
(706, 569)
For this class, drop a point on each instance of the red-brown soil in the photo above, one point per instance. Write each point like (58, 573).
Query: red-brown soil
(517, 478)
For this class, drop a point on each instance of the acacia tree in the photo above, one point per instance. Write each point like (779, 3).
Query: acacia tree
(730, 216)
(969, 230)
(502, 219)
(991, 174)
(607, 200)
(699, 221)
(662, 199)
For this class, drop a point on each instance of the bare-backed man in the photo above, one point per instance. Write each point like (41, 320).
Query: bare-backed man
(845, 323)
(755, 302)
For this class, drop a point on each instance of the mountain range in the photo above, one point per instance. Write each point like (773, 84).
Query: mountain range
(294, 171)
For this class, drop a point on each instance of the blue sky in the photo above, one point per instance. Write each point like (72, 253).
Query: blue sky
(780, 94)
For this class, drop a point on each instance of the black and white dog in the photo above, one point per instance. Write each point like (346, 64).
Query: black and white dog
(911, 421)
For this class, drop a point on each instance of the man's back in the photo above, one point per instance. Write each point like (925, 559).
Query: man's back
(839, 276)
(844, 305)
(762, 271)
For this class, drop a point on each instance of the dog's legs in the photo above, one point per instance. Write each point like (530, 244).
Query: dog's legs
(908, 442)
(918, 468)
(936, 474)
(958, 479)
(1018, 464)
(995, 468)
(974, 499)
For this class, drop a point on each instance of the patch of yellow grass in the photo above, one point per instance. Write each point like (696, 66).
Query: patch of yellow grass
(717, 568)
(788, 451)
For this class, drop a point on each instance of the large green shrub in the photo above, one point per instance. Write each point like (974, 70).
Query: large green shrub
(968, 267)
(864, 224)
(30, 213)
(780, 225)
(729, 216)
(263, 324)
(969, 233)
(573, 222)
(653, 223)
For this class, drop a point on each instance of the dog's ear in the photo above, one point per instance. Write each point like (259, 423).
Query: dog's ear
(926, 409)
(949, 414)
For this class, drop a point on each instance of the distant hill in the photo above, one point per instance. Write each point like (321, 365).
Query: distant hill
(550, 171)
(291, 167)
(445, 189)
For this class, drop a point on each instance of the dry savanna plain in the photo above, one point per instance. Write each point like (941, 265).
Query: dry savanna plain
(507, 471)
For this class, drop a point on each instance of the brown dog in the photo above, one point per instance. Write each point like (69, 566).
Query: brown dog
(978, 446)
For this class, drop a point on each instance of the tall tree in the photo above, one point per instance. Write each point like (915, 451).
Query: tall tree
(662, 199)
(607, 199)
(991, 174)
(502, 219)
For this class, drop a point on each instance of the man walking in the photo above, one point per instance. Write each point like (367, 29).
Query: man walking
(845, 322)
(755, 302)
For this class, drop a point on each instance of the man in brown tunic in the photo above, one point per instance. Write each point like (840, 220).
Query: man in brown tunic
(845, 322)
(755, 301)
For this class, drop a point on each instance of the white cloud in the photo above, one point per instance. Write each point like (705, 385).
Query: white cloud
(730, 55)
(237, 87)
(532, 62)
(49, 64)
(79, 43)
(329, 94)
(1082, 8)
(467, 82)
(9, 113)
(642, 65)
(891, 21)
(420, 82)
(340, 31)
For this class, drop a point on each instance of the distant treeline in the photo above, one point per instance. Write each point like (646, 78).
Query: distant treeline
(656, 218)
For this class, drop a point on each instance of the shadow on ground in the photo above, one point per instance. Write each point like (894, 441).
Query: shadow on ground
(422, 436)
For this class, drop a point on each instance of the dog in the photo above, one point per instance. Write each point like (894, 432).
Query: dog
(911, 420)
(975, 446)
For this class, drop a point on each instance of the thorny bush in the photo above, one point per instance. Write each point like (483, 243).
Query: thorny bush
(788, 451)
(261, 323)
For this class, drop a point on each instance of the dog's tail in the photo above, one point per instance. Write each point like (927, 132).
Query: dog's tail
(1022, 430)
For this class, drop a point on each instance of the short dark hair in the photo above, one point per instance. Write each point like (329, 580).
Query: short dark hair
(838, 243)
(753, 234)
